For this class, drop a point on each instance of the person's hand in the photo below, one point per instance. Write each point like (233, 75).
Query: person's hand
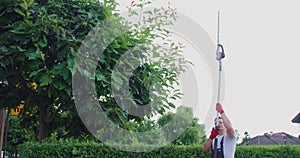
(214, 132)
(219, 108)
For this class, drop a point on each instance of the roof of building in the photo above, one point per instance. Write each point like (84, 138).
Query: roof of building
(296, 119)
(280, 138)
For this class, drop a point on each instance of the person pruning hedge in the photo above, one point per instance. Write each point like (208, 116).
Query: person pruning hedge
(223, 135)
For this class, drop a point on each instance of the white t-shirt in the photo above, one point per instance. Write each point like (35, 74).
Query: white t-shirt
(229, 145)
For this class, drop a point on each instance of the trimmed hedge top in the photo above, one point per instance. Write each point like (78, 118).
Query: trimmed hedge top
(68, 149)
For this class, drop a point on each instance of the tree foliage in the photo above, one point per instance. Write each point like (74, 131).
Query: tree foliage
(194, 133)
(39, 41)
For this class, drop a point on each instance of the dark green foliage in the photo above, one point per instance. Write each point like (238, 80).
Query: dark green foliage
(16, 135)
(39, 41)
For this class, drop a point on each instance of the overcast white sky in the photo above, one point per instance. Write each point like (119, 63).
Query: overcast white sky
(262, 75)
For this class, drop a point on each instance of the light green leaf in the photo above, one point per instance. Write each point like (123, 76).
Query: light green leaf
(24, 5)
(17, 10)
(40, 54)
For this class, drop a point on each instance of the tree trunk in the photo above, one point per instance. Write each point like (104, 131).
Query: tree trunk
(2, 121)
(44, 124)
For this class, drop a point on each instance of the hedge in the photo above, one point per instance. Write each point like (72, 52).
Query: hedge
(279, 151)
(98, 150)
(71, 149)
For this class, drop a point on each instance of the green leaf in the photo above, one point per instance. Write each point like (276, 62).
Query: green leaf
(18, 32)
(30, 2)
(44, 42)
(100, 76)
(172, 105)
(59, 85)
(161, 111)
(40, 54)
(59, 68)
(21, 49)
(45, 80)
(148, 12)
(24, 5)
(133, 13)
(68, 91)
(33, 56)
(17, 10)
(34, 73)
(66, 74)
(70, 65)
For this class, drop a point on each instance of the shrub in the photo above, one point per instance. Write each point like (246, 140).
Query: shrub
(75, 148)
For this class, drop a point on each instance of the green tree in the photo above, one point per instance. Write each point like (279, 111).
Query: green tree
(39, 41)
(16, 135)
(193, 134)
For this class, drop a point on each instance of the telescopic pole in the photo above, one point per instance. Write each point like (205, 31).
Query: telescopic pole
(220, 69)
(220, 55)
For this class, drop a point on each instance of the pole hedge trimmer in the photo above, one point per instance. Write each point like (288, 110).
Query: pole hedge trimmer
(220, 55)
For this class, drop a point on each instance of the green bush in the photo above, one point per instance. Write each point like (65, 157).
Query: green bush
(75, 148)
(72, 148)
(284, 151)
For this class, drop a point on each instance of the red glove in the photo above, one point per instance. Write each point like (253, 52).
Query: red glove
(219, 108)
(214, 132)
